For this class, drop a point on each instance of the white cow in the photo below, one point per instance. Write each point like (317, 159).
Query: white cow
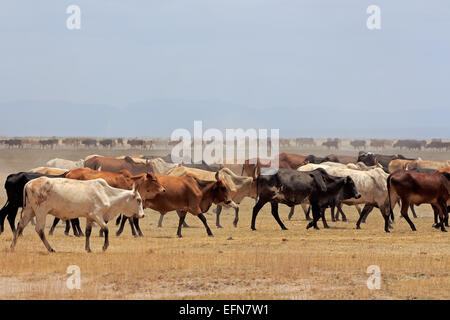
(68, 199)
(65, 164)
(371, 184)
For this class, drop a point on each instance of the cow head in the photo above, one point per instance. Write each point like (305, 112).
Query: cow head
(222, 193)
(134, 205)
(148, 185)
(349, 189)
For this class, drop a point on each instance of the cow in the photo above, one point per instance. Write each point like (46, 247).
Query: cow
(292, 187)
(417, 188)
(314, 159)
(410, 144)
(66, 199)
(14, 187)
(147, 185)
(160, 166)
(398, 164)
(371, 185)
(331, 143)
(358, 144)
(190, 194)
(285, 160)
(425, 164)
(372, 159)
(49, 171)
(116, 165)
(65, 164)
(341, 158)
(240, 187)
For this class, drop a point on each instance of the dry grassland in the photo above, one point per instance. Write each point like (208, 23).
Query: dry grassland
(236, 263)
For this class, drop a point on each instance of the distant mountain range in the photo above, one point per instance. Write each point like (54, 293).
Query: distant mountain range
(158, 118)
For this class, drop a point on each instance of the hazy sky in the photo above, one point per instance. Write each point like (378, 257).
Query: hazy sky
(315, 61)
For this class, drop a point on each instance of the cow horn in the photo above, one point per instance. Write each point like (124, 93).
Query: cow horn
(217, 176)
(99, 168)
(134, 188)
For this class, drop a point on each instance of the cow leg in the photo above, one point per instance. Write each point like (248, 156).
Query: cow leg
(316, 217)
(344, 217)
(365, 212)
(182, 215)
(161, 218)
(118, 220)
(255, 212)
(306, 210)
(66, 231)
(218, 211)
(404, 212)
(76, 225)
(27, 215)
(133, 231)
(89, 223)
(122, 224)
(6, 211)
(203, 219)
(236, 217)
(436, 216)
(40, 227)
(106, 243)
(324, 220)
(411, 206)
(442, 214)
(136, 225)
(185, 225)
(52, 228)
(291, 213)
(276, 216)
(12, 218)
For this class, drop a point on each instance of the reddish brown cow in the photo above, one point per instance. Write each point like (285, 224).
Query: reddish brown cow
(116, 165)
(446, 169)
(286, 161)
(147, 185)
(342, 159)
(417, 188)
(190, 194)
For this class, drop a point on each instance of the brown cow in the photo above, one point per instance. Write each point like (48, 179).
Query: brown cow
(115, 165)
(341, 158)
(147, 185)
(417, 188)
(190, 194)
(446, 169)
(285, 160)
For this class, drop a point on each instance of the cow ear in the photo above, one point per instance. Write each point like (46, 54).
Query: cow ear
(217, 176)
(134, 188)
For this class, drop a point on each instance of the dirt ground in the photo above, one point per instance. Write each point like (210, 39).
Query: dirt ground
(236, 263)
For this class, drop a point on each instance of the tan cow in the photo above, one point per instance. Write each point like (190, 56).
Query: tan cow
(426, 164)
(398, 164)
(49, 171)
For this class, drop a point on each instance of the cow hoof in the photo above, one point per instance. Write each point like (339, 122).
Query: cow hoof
(309, 226)
(141, 235)
(66, 233)
(387, 230)
(345, 220)
(219, 226)
(358, 227)
(179, 236)
(211, 235)
(51, 250)
(118, 233)
(284, 228)
(104, 249)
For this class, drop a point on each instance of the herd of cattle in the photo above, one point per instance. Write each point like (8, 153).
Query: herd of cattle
(100, 189)
(147, 144)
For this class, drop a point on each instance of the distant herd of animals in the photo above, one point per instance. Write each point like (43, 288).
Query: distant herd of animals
(148, 144)
(102, 189)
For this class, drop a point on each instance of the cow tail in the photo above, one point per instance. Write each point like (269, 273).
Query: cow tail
(391, 212)
(24, 201)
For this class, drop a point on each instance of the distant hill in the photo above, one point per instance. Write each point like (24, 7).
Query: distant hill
(160, 117)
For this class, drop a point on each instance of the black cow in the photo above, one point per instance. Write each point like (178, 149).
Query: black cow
(292, 187)
(14, 190)
(371, 159)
